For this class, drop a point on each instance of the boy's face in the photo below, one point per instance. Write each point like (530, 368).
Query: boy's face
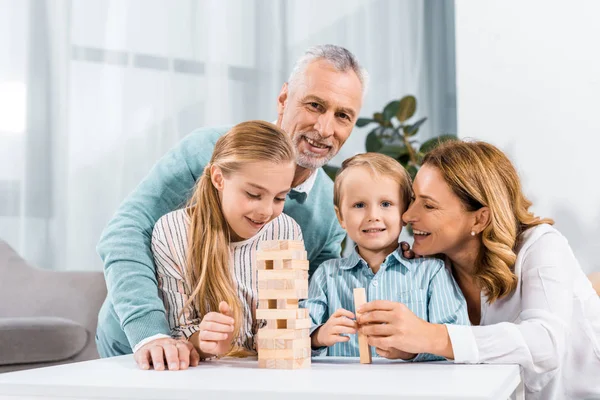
(371, 210)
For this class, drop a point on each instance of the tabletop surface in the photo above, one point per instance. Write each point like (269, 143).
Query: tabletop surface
(328, 377)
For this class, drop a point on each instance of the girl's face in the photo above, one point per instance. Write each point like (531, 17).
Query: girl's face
(254, 196)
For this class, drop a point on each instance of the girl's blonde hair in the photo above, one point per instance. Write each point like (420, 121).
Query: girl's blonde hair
(379, 165)
(482, 176)
(208, 274)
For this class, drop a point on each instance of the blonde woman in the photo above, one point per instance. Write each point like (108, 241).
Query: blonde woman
(205, 253)
(529, 302)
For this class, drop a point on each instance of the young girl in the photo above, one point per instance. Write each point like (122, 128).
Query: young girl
(205, 253)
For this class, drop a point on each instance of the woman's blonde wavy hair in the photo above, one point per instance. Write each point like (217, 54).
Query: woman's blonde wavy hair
(208, 274)
(482, 176)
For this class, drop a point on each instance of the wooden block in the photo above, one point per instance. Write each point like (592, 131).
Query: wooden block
(264, 333)
(277, 304)
(283, 284)
(274, 245)
(281, 255)
(283, 343)
(282, 274)
(293, 264)
(302, 323)
(284, 354)
(360, 298)
(283, 294)
(281, 314)
(270, 264)
(284, 364)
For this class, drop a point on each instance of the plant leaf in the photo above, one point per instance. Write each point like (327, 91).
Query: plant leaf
(411, 130)
(390, 110)
(363, 122)
(373, 143)
(412, 171)
(393, 150)
(406, 108)
(435, 142)
(378, 117)
(331, 171)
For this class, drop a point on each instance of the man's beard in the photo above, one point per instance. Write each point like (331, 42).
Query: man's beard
(307, 159)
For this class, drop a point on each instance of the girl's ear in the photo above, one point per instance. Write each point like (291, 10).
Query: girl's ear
(217, 178)
(340, 217)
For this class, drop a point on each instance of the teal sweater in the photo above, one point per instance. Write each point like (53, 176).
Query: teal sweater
(132, 310)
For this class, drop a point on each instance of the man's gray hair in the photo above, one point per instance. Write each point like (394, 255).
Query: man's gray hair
(342, 59)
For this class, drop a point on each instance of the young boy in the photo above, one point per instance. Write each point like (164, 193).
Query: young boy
(371, 193)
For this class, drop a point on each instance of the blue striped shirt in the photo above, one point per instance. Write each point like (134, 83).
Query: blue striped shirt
(424, 285)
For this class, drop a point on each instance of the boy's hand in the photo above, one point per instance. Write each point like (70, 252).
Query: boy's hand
(328, 334)
(216, 331)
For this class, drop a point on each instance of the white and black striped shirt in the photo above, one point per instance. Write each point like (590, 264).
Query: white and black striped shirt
(169, 248)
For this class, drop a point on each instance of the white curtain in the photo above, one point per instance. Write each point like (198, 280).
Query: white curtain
(93, 92)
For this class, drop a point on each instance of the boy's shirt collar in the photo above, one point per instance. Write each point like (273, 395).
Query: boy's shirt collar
(354, 259)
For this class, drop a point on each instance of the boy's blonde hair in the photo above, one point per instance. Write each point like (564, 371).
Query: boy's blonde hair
(379, 165)
(207, 271)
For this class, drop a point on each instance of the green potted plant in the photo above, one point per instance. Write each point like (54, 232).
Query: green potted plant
(394, 136)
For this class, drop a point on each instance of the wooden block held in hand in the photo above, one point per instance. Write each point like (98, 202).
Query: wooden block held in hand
(360, 298)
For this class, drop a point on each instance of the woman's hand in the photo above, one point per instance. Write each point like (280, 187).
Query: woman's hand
(392, 326)
(328, 334)
(178, 353)
(215, 336)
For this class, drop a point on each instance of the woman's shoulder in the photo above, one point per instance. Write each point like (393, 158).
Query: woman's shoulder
(543, 234)
(543, 245)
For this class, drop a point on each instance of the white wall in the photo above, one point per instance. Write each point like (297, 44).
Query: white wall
(528, 81)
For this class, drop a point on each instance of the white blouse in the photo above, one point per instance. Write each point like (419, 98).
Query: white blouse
(550, 325)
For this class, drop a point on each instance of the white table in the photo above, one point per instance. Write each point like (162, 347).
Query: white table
(329, 378)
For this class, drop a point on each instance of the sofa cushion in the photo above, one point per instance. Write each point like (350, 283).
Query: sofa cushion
(39, 339)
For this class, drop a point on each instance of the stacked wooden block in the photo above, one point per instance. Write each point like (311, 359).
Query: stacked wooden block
(283, 280)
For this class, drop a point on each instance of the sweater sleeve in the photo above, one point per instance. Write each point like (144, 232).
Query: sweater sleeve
(125, 243)
(537, 339)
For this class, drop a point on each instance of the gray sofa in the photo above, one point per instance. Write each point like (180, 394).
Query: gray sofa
(46, 317)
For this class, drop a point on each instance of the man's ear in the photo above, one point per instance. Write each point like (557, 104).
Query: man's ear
(282, 103)
(338, 213)
(217, 178)
(482, 219)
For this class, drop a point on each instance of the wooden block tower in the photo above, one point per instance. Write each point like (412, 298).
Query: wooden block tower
(283, 280)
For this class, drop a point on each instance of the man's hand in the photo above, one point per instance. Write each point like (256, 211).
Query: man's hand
(178, 353)
(328, 334)
(215, 336)
(395, 354)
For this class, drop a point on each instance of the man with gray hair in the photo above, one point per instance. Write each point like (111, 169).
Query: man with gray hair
(318, 108)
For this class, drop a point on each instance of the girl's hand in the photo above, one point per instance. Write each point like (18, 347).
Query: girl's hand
(392, 326)
(215, 336)
(328, 334)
